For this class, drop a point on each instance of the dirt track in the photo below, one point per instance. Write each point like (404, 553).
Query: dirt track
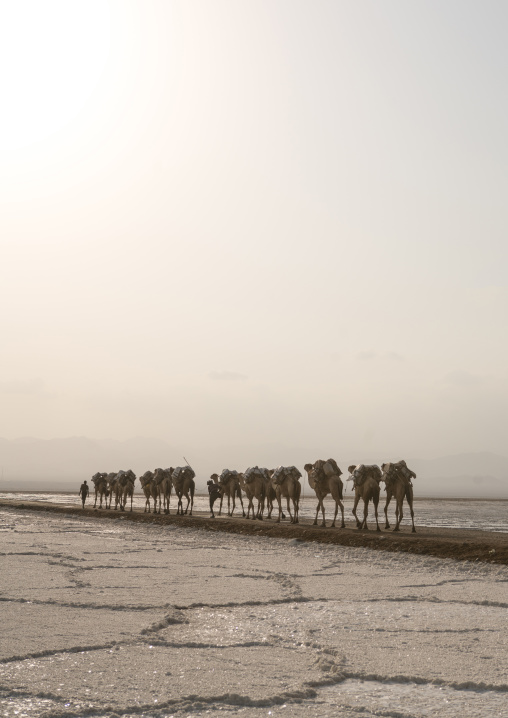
(460, 544)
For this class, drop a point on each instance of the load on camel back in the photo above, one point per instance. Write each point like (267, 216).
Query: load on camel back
(397, 470)
(252, 472)
(227, 475)
(359, 474)
(282, 473)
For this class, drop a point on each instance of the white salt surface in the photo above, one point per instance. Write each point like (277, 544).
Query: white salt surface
(103, 618)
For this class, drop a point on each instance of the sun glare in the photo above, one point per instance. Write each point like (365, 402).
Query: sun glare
(52, 55)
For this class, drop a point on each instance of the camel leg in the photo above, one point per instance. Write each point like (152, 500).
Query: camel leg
(239, 494)
(233, 502)
(259, 514)
(358, 524)
(341, 506)
(400, 515)
(220, 505)
(317, 511)
(388, 499)
(409, 499)
(323, 523)
(291, 519)
(376, 515)
(363, 525)
(280, 509)
(335, 514)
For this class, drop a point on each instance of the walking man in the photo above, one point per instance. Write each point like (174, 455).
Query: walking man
(83, 492)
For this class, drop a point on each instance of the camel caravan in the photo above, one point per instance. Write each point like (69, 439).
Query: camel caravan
(265, 489)
(156, 485)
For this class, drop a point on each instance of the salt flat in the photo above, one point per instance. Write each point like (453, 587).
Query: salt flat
(104, 618)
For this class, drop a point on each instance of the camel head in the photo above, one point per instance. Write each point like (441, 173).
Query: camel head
(311, 474)
(351, 468)
(214, 478)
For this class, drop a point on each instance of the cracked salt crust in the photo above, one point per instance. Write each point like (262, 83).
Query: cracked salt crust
(156, 621)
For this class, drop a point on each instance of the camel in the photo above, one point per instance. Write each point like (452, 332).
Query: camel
(252, 482)
(184, 485)
(101, 488)
(324, 478)
(286, 482)
(366, 486)
(150, 490)
(270, 494)
(397, 478)
(229, 482)
(162, 478)
(113, 488)
(126, 480)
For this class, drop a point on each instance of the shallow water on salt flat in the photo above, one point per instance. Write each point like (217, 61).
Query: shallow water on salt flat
(451, 513)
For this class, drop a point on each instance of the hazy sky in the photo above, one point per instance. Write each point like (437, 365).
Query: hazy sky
(246, 221)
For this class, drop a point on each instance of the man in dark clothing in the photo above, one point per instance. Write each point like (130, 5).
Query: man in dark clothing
(214, 492)
(83, 492)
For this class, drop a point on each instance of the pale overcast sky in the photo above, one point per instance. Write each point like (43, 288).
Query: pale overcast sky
(232, 222)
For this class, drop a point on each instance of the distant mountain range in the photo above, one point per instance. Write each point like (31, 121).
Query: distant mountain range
(62, 464)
